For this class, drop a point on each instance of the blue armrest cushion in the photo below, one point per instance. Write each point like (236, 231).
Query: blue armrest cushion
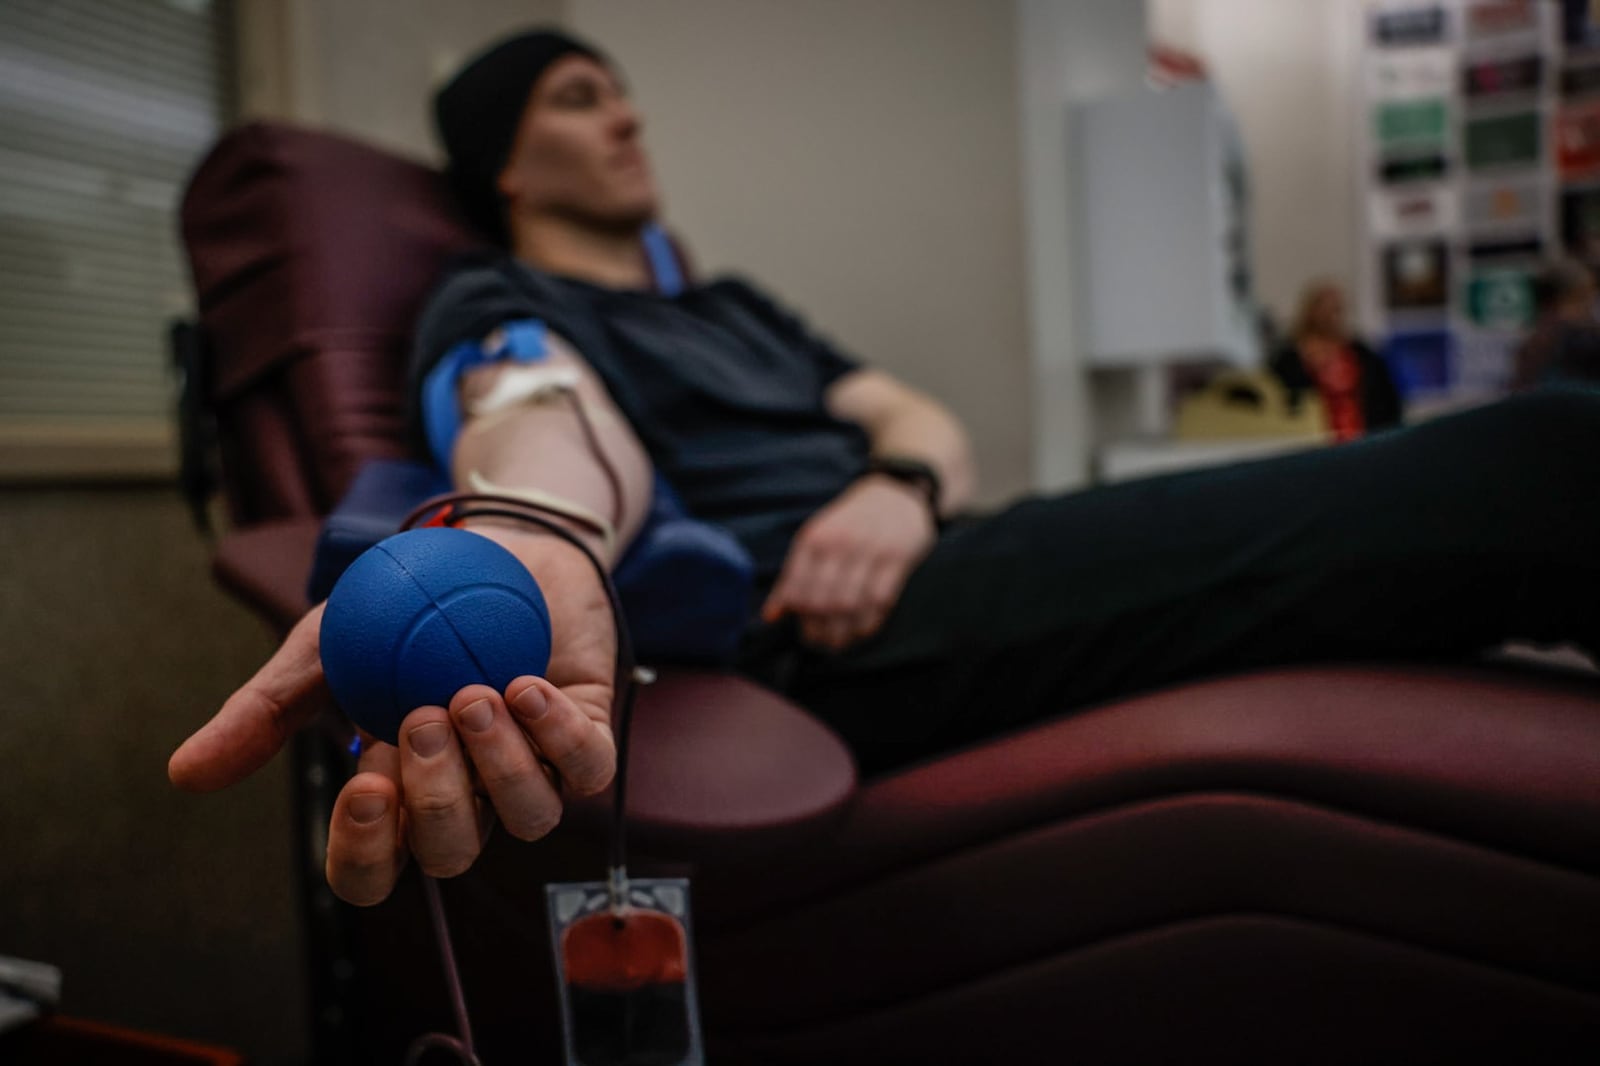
(686, 586)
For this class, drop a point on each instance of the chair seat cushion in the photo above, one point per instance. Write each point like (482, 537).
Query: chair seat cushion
(1450, 815)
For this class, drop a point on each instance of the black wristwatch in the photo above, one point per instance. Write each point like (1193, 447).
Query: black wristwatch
(913, 472)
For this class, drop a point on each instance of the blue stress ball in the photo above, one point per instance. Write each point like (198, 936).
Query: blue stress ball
(420, 615)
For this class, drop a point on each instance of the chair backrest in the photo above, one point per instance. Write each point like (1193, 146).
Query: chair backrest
(312, 255)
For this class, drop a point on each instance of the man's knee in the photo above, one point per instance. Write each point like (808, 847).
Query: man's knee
(1558, 426)
(1567, 409)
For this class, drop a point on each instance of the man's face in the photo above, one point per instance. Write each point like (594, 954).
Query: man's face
(577, 151)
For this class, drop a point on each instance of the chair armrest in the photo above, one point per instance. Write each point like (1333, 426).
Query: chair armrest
(266, 567)
(722, 769)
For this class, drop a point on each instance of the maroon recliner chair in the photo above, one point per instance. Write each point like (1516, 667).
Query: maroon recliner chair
(1329, 864)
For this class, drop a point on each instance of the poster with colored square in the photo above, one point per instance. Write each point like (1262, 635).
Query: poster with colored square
(1413, 210)
(1578, 139)
(1422, 121)
(1496, 18)
(1416, 275)
(1409, 26)
(1409, 73)
(1501, 77)
(1517, 201)
(1420, 361)
(1500, 299)
(1503, 140)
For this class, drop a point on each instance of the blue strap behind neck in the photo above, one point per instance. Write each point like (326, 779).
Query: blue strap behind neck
(663, 260)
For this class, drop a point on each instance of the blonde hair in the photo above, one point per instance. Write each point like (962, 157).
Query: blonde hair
(1309, 296)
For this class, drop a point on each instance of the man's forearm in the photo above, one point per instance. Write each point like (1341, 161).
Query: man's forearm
(584, 462)
(905, 423)
(921, 429)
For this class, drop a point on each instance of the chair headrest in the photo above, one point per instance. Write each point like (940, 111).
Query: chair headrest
(299, 239)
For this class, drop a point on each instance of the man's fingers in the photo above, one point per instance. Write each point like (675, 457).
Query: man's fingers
(821, 588)
(522, 794)
(850, 592)
(828, 631)
(256, 721)
(773, 608)
(829, 616)
(791, 579)
(579, 746)
(880, 591)
(365, 856)
(442, 819)
(866, 622)
(883, 586)
(807, 569)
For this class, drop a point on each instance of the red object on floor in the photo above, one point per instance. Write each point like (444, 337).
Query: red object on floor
(59, 1041)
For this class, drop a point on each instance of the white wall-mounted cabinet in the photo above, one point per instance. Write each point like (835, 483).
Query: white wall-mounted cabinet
(1162, 199)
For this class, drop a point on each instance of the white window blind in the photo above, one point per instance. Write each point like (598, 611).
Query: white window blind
(105, 108)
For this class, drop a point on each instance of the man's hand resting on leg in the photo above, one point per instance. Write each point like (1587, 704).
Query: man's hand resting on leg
(848, 564)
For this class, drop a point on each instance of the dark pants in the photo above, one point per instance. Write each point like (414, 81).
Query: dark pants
(1435, 541)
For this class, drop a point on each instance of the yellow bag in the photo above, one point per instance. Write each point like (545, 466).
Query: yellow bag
(1249, 404)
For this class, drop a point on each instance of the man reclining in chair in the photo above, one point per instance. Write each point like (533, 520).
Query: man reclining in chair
(909, 630)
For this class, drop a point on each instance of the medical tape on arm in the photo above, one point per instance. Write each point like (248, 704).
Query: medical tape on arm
(548, 502)
(526, 383)
(521, 341)
(529, 379)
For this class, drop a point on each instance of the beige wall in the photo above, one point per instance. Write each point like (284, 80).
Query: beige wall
(366, 67)
(1288, 69)
(861, 159)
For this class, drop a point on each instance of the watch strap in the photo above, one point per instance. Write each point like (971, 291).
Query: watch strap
(914, 472)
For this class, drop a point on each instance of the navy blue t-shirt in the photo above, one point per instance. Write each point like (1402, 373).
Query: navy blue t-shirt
(724, 388)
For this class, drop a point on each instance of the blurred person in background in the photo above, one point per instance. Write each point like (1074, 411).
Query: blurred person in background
(1564, 344)
(1358, 394)
(910, 628)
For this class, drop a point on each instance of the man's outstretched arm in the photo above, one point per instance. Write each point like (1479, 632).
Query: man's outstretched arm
(422, 798)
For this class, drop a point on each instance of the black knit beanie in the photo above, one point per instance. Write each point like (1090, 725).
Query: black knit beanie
(479, 110)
